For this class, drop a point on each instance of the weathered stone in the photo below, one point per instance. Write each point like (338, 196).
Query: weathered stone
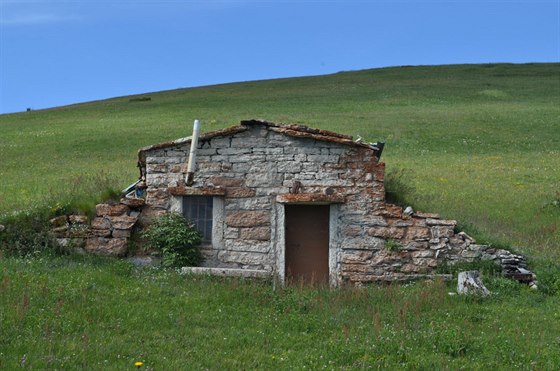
(357, 268)
(226, 182)
(100, 232)
(470, 283)
(417, 234)
(255, 233)
(423, 254)
(121, 233)
(123, 222)
(240, 257)
(386, 233)
(240, 192)
(441, 231)
(426, 215)
(450, 223)
(352, 231)
(133, 203)
(358, 256)
(248, 218)
(107, 246)
(100, 223)
(248, 245)
(111, 210)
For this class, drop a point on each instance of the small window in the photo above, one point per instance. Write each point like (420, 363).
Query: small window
(198, 209)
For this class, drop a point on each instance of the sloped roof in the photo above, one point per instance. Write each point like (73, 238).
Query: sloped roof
(298, 131)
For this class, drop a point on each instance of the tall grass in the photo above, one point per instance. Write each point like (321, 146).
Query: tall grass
(92, 313)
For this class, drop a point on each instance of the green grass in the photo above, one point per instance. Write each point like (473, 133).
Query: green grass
(477, 143)
(91, 313)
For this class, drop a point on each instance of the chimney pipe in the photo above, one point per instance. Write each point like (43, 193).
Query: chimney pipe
(192, 155)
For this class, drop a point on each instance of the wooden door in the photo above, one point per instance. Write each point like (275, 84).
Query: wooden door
(307, 243)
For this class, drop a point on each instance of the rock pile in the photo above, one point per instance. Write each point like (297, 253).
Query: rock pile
(112, 227)
(70, 231)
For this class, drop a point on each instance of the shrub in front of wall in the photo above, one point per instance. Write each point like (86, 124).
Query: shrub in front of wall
(176, 239)
(27, 232)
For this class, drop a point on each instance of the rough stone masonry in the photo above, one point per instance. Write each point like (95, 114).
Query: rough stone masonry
(253, 170)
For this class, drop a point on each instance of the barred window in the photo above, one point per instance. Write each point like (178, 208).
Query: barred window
(198, 209)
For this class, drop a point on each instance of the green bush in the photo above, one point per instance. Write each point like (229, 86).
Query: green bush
(176, 239)
(548, 277)
(27, 232)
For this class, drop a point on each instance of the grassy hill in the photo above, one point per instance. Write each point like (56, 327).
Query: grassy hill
(478, 143)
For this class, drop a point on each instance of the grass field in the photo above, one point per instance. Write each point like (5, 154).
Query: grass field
(477, 143)
(87, 313)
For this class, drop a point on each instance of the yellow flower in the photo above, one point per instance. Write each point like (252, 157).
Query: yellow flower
(138, 364)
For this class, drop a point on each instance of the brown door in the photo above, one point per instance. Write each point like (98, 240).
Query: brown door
(307, 243)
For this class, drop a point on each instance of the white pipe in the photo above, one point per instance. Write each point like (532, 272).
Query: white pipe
(192, 154)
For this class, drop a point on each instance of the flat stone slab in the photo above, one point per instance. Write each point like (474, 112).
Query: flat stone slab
(235, 272)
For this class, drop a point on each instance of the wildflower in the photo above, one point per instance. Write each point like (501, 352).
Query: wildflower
(138, 364)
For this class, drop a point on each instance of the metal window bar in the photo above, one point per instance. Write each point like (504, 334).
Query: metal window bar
(198, 209)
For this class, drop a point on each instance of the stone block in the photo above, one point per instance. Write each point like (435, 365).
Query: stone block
(289, 167)
(247, 158)
(231, 233)
(269, 150)
(357, 268)
(247, 245)
(410, 268)
(251, 203)
(255, 233)
(248, 218)
(441, 232)
(226, 181)
(133, 203)
(240, 192)
(111, 210)
(106, 246)
(449, 223)
(423, 254)
(121, 233)
(100, 232)
(100, 223)
(123, 222)
(418, 234)
(323, 158)
(352, 231)
(358, 256)
(371, 243)
(387, 232)
(156, 168)
(246, 258)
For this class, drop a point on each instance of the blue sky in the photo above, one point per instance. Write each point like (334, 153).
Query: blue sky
(58, 52)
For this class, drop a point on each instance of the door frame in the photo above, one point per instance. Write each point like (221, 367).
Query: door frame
(279, 238)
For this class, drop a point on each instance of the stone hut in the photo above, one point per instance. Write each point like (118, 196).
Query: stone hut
(296, 203)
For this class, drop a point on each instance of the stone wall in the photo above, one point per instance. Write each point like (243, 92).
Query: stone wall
(112, 227)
